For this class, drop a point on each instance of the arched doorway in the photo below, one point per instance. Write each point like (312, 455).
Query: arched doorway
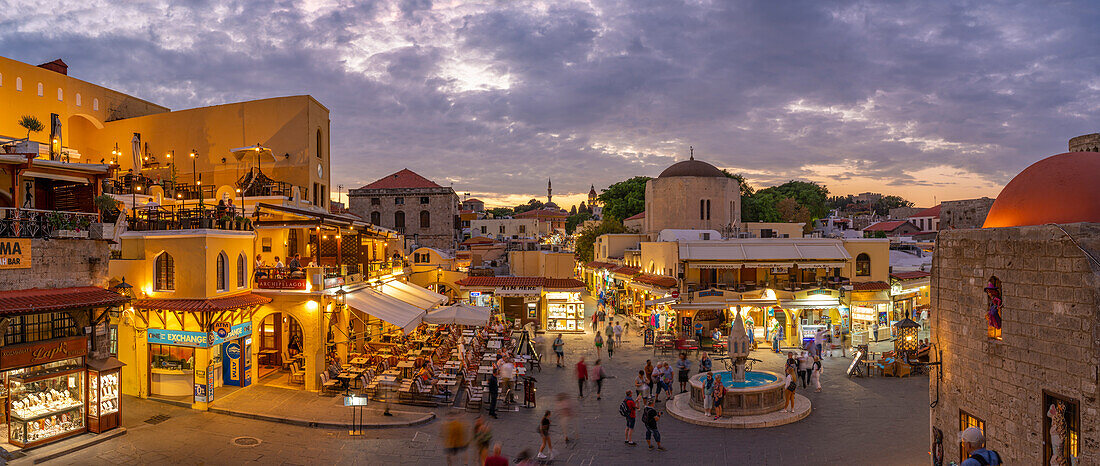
(280, 351)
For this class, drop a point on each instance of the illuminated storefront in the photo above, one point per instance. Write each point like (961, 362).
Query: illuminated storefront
(551, 304)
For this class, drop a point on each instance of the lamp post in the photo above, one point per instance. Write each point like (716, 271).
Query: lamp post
(195, 176)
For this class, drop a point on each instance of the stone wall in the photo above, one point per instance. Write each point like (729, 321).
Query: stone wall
(1050, 335)
(964, 214)
(60, 263)
(1085, 143)
(443, 231)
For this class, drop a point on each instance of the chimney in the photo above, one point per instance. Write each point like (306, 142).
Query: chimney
(56, 66)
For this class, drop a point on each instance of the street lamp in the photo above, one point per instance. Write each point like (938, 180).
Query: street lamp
(195, 175)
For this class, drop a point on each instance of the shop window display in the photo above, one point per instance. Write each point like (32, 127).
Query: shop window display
(46, 402)
(180, 358)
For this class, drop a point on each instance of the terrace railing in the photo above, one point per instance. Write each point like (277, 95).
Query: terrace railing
(187, 217)
(35, 223)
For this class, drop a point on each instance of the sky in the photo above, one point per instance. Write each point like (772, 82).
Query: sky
(928, 100)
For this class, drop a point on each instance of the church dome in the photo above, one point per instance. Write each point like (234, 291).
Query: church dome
(1058, 189)
(692, 167)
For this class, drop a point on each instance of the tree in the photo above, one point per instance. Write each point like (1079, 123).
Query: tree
(533, 204)
(501, 212)
(792, 212)
(585, 242)
(883, 205)
(762, 205)
(573, 211)
(625, 198)
(31, 124)
(576, 219)
(746, 189)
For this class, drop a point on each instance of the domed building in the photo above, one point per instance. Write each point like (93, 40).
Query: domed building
(1013, 319)
(691, 194)
(1058, 189)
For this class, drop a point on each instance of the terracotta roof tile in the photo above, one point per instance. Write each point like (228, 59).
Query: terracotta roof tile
(599, 265)
(656, 280)
(910, 275)
(563, 283)
(626, 270)
(638, 216)
(929, 212)
(403, 179)
(886, 226)
(57, 299)
(870, 286)
(227, 303)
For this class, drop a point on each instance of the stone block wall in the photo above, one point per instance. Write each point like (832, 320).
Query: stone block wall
(443, 231)
(964, 214)
(1050, 334)
(60, 263)
(1085, 143)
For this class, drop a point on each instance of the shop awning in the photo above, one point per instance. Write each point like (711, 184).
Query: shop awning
(459, 314)
(765, 250)
(228, 303)
(712, 305)
(420, 297)
(665, 300)
(387, 308)
(57, 299)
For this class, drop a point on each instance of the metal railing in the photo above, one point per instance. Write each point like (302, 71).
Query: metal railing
(35, 223)
(185, 218)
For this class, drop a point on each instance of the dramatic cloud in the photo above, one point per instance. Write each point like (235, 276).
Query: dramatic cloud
(922, 99)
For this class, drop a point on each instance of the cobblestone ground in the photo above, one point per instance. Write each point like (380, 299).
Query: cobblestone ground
(881, 421)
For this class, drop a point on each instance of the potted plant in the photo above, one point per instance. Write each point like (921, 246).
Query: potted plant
(108, 208)
(224, 222)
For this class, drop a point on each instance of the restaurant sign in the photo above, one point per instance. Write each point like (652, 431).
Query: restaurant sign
(511, 291)
(30, 354)
(281, 284)
(15, 253)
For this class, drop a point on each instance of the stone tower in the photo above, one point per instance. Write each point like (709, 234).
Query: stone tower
(1085, 143)
(549, 191)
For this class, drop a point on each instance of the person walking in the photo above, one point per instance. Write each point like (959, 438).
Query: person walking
(973, 446)
(598, 375)
(494, 390)
(599, 343)
(566, 412)
(507, 373)
(618, 333)
(454, 437)
(482, 436)
(819, 341)
(704, 363)
(719, 393)
(544, 432)
(805, 365)
(610, 347)
(683, 367)
(649, 377)
(559, 348)
(788, 393)
(650, 416)
(609, 331)
(708, 394)
(777, 336)
(640, 385)
(582, 377)
(628, 409)
(816, 375)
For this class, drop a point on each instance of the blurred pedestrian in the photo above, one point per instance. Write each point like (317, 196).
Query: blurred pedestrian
(805, 365)
(816, 375)
(618, 333)
(599, 343)
(494, 390)
(666, 379)
(559, 348)
(482, 437)
(610, 347)
(454, 437)
(649, 377)
(598, 375)
(567, 412)
(582, 377)
(497, 459)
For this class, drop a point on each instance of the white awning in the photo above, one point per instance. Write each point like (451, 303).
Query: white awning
(459, 314)
(55, 176)
(420, 297)
(387, 308)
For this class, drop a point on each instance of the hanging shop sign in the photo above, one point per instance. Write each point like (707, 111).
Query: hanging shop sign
(709, 293)
(15, 253)
(334, 282)
(31, 354)
(221, 329)
(235, 332)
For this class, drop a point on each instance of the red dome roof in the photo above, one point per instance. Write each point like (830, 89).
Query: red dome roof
(1063, 188)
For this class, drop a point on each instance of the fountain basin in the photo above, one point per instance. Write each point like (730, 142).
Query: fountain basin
(760, 393)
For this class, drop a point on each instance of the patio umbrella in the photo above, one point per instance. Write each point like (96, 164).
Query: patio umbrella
(257, 151)
(459, 314)
(135, 146)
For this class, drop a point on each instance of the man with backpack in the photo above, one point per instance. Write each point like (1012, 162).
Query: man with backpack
(649, 419)
(973, 444)
(628, 409)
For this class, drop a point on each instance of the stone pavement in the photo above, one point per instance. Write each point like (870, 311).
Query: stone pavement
(305, 408)
(881, 421)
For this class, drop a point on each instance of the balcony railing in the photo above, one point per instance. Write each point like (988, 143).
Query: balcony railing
(186, 218)
(34, 223)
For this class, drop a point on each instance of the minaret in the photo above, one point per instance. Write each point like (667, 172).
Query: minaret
(592, 196)
(549, 192)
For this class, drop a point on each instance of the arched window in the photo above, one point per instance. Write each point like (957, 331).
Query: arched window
(221, 269)
(1, 79)
(41, 90)
(165, 273)
(60, 94)
(320, 144)
(18, 83)
(78, 99)
(702, 209)
(863, 265)
(242, 271)
(95, 104)
(425, 219)
(376, 217)
(708, 209)
(399, 220)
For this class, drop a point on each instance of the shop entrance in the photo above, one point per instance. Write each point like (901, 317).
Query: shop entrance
(279, 354)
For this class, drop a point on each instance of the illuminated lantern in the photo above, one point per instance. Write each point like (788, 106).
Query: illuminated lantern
(906, 340)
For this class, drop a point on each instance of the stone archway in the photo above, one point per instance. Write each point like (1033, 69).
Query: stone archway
(312, 340)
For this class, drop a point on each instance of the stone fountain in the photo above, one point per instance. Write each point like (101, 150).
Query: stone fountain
(739, 346)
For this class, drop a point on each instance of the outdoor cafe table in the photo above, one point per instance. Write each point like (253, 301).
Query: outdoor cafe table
(359, 361)
(405, 366)
(494, 343)
(346, 379)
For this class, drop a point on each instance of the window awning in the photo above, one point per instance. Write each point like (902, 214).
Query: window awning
(418, 296)
(55, 176)
(387, 308)
(665, 300)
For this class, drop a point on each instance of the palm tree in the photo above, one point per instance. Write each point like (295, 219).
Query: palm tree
(31, 124)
